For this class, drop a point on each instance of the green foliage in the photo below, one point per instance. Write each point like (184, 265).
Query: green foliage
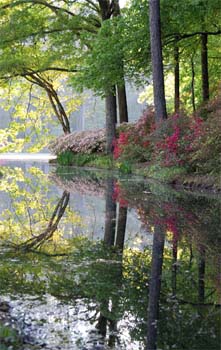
(163, 174)
(125, 167)
(9, 338)
(81, 159)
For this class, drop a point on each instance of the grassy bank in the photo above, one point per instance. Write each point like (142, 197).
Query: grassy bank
(176, 175)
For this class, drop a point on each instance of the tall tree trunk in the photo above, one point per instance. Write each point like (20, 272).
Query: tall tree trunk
(193, 85)
(155, 286)
(204, 65)
(121, 89)
(110, 98)
(157, 60)
(122, 103)
(111, 117)
(176, 79)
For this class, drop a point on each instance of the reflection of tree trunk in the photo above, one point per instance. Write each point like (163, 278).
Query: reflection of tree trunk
(201, 274)
(111, 118)
(109, 239)
(102, 320)
(121, 228)
(174, 265)
(110, 214)
(37, 241)
(154, 287)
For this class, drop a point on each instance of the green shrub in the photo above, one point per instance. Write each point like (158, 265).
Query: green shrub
(9, 338)
(78, 159)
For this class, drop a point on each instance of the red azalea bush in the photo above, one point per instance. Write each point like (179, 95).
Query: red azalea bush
(133, 142)
(176, 139)
(173, 142)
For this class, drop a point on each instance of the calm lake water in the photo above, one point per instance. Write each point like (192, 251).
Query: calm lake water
(94, 260)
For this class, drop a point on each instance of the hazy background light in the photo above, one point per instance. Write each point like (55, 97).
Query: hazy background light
(122, 3)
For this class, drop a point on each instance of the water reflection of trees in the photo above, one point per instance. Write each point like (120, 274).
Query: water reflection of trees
(31, 213)
(37, 241)
(123, 284)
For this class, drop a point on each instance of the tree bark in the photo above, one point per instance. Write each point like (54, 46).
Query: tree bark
(154, 287)
(204, 65)
(193, 85)
(110, 98)
(122, 103)
(176, 79)
(111, 117)
(157, 60)
(121, 89)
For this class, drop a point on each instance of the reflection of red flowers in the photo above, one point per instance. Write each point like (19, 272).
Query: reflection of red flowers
(118, 196)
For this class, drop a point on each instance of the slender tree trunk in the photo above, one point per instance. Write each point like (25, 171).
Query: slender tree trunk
(193, 84)
(157, 60)
(176, 79)
(121, 89)
(111, 117)
(122, 103)
(53, 98)
(204, 64)
(155, 286)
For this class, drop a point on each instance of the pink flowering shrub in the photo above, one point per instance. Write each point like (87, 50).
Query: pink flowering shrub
(86, 142)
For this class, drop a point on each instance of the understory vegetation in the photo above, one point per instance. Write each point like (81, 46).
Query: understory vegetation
(179, 146)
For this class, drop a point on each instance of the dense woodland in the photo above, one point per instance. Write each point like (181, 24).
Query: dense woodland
(52, 51)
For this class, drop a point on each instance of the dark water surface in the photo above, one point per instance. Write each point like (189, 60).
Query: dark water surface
(91, 260)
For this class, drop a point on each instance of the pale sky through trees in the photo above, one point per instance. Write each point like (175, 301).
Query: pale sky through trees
(122, 3)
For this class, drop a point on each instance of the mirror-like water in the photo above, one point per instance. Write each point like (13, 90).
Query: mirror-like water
(91, 260)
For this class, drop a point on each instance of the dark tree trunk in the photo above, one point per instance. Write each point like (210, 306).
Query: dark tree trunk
(177, 79)
(121, 228)
(106, 10)
(122, 103)
(111, 117)
(121, 89)
(110, 214)
(157, 60)
(204, 64)
(154, 287)
(193, 85)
